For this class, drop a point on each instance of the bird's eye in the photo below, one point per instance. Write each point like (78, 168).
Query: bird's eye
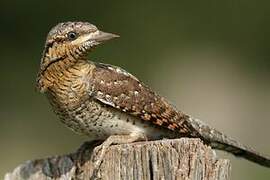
(72, 35)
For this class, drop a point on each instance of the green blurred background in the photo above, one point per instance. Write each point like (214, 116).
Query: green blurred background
(210, 58)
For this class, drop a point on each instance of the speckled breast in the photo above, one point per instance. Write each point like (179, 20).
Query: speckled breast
(98, 121)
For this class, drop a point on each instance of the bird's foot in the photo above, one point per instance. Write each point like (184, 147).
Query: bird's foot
(100, 151)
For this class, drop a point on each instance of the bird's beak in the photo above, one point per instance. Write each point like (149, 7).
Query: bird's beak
(101, 36)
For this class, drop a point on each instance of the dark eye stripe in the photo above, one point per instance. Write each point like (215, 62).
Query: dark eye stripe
(49, 45)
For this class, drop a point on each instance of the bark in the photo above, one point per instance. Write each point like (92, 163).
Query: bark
(165, 159)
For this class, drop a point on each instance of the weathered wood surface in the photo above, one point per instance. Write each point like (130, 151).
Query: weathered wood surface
(165, 159)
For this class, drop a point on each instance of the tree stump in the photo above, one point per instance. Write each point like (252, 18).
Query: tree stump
(175, 159)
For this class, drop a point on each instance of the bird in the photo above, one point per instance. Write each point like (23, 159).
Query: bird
(107, 103)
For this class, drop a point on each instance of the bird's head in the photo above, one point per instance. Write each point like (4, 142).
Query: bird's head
(72, 40)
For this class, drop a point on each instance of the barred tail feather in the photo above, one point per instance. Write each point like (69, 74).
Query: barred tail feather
(218, 140)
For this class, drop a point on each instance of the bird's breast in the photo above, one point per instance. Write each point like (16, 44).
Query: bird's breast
(98, 121)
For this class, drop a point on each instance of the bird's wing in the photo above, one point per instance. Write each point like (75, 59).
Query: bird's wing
(117, 88)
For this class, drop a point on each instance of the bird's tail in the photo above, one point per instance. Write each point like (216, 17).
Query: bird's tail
(218, 140)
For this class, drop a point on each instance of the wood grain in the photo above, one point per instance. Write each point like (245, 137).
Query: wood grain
(176, 159)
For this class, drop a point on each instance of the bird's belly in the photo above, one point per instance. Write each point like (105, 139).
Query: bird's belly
(99, 122)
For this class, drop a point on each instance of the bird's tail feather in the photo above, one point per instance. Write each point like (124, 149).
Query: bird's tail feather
(218, 140)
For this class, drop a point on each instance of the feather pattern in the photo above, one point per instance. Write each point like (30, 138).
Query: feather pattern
(115, 87)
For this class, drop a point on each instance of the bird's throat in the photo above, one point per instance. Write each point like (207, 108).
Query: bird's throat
(53, 70)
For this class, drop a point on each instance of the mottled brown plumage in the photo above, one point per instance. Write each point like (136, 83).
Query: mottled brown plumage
(117, 88)
(104, 101)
